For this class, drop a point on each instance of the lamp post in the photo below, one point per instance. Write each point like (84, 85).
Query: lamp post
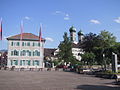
(0, 58)
(104, 61)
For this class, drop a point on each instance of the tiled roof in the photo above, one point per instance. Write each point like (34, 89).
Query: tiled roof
(48, 52)
(25, 36)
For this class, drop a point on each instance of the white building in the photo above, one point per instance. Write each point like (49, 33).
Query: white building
(25, 53)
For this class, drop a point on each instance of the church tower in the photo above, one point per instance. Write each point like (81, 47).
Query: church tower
(72, 34)
(80, 36)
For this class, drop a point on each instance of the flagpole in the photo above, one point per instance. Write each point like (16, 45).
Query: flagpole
(40, 41)
(1, 31)
(21, 37)
(1, 36)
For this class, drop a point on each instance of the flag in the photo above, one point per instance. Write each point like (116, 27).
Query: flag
(40, 34)
(1, 29)
(21, 27)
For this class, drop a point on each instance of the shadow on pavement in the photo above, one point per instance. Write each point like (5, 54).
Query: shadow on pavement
(97, 87)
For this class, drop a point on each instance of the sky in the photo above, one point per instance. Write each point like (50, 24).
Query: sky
(57, 16)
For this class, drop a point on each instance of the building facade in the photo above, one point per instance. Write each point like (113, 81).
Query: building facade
(76, 45)
(25, 53)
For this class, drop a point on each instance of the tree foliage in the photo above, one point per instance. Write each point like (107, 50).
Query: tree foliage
(100, 44)
(65, 50)
(88, 58)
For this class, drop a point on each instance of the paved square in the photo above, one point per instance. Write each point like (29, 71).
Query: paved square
(52, 80)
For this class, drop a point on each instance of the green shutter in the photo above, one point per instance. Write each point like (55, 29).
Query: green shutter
(21, 62)
(11, 62)
(11, 43)
(29, 62)
(33, 62)
(16, 62)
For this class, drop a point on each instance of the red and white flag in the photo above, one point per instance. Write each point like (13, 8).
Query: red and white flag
(21, 28)
(1, 29)
(40, 33)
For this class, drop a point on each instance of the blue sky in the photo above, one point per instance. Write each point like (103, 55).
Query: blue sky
(57, 16)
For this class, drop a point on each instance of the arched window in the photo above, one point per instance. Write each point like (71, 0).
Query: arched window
(36, 53)
(36, 63)
(23, 53)
(28, 62)
(16, 53)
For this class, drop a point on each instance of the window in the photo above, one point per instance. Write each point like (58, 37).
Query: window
(33, 63)
(33, 44)
(28, 44)
(22, 62)
(11, 43)
(36, 53)
(23, 53)
(18, 44)
(11, 53)
(28, 62)
(16, 53)
(39, 44)
(23, 44)
(11, 62)
(14, 62)
(36, 62)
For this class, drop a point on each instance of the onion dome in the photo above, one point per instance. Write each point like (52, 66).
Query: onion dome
(80, 33)
(72, 29)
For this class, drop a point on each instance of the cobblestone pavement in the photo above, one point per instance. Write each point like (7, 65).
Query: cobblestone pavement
(52, 80)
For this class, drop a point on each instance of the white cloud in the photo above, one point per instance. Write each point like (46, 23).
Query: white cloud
(66, 18)
(49, 39)
(95, 21)
(65, 15)
(27, 18)
(58, 12)
(117, 20)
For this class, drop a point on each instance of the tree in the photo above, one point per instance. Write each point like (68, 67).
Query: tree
(99, 45)
(88, 58)
(65, 50)
(90, 41)
(107, 41)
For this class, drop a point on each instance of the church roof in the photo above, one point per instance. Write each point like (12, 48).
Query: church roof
(49, 52)
(25, 36)
(78, 45)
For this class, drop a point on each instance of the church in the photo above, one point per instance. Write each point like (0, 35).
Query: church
(50, 54)
(76, 45)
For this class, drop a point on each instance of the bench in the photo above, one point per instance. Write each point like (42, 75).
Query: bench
(117, 78)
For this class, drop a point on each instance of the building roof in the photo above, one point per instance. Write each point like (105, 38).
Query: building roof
(25, 36)
(48, 52)
(78, 45)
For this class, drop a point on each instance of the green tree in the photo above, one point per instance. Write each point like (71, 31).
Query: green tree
(90, 41)
(88, 58)
(100, 45)
(65, 50)
(107, 41)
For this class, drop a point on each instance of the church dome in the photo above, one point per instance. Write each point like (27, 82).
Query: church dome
(80, 32)
(72, 29)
